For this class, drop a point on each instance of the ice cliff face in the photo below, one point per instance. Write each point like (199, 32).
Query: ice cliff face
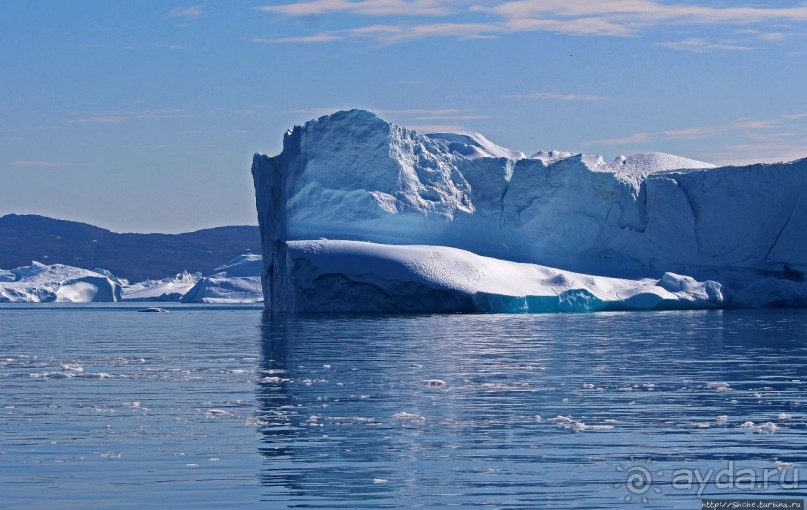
(353, 176)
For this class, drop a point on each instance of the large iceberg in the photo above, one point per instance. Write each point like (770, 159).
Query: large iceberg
(352, 176)
(237, 281)
(166, 289)
(39, 283)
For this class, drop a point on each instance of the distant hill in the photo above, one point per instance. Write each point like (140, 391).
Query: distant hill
(137, 257)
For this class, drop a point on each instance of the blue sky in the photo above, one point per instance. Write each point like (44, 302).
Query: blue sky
(143, 116)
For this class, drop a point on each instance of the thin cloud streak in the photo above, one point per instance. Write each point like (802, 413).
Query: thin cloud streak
(630, 139)
(322, 37)
(364, 8)
(188, 13)
(619, 18)
(700, 46)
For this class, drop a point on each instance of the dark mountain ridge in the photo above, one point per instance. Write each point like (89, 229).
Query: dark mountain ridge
(137, 257)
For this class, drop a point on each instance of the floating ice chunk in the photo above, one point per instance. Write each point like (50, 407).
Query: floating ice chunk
(560, 419)
(403, 415)
(783, 466)
(379, 480)
(588, 386)
(719, 386)
(722, 419)
(767, 427)
(785, 416)
(153, 309)
(273, 380)
(435, 383)
(216, 413)
(94, 375)
(53, 375)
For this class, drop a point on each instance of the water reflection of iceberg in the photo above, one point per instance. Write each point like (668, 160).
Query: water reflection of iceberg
(359, 410)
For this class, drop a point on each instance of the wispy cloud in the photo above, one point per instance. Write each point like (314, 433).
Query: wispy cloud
(693, 133)
(41, 164)
(701, 46)
(644, 13)
(754, 124)
(780, 138)
(554, 96)
(627, 140)
(322, 37)
(581, 17)
(187, 13)
(366, 7)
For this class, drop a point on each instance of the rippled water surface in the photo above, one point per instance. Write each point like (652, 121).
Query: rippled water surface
(232, 407)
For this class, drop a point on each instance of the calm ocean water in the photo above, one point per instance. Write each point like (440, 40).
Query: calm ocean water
(231, 407)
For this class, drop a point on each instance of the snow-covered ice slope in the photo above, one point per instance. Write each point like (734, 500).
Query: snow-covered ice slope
(353, 176)
(39, 283)
(238, 281)
(353, 276)
(167, 289)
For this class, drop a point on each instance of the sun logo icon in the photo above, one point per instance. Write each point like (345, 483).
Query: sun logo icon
(638, 481)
